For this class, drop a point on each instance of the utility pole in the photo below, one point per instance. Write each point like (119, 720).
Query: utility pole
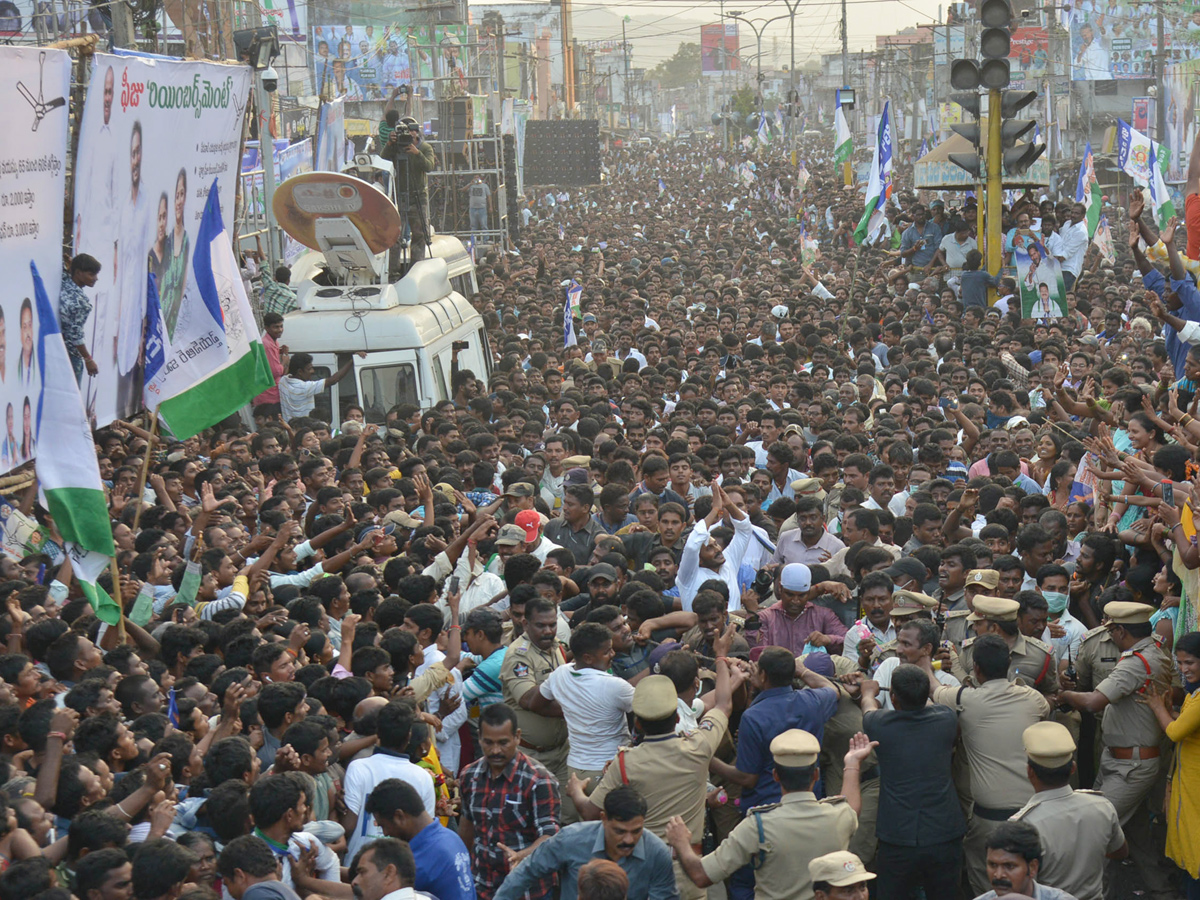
(724, 57)
(625, 52)
(568, 57)
(845, 45)
(1160, 58)
(123, 30)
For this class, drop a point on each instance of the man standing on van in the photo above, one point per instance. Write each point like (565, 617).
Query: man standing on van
(412, 158)
(298, 389)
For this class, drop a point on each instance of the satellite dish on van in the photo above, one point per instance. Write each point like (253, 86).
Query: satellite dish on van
(328, 211)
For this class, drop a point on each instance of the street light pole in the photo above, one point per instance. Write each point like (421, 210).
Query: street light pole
(625, 51)
(758, 33)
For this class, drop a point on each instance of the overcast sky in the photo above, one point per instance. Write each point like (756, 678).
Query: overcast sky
(657, 27)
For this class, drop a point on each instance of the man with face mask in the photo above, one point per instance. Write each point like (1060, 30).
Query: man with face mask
(1066, 631)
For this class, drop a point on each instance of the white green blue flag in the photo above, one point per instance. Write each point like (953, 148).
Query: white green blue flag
(843, 146)
(1160, 196)
(67, 470)
(879, 187)
(1087, 190)
(188, 401)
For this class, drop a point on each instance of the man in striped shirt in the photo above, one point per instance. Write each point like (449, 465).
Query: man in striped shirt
(483, 633)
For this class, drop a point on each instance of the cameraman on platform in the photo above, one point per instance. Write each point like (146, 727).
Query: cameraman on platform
(412, 158)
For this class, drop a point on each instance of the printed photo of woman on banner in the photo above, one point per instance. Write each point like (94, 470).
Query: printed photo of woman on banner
(1040, 282)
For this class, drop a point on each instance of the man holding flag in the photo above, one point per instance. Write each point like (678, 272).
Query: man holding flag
(67, 468)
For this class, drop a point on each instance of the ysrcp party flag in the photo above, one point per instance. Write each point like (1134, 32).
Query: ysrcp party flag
(154, 134)
(843, 145)
(1104, 242)
(67, 469)
(879, 187)
(195, 398)
(1087, 190)
(1160, 197)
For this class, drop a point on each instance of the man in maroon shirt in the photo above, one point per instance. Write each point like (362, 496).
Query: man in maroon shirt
(794, 621)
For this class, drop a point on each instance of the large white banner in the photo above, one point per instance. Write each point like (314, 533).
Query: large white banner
(34, 87)
(154, 135)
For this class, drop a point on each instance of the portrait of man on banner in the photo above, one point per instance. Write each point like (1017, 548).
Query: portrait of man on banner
(1039, 282)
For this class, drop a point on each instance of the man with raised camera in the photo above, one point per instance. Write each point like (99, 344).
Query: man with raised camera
(413, 159)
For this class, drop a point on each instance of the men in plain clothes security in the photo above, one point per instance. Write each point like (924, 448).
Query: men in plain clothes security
(619, 836)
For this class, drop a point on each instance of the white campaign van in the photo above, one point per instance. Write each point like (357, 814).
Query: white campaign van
(348, 305)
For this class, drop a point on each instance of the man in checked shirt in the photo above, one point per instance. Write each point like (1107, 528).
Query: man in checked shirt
(510, 805)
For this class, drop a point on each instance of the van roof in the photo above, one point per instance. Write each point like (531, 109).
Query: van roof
(406, 325)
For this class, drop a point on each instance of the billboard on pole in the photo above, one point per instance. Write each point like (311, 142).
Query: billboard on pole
(719, 48)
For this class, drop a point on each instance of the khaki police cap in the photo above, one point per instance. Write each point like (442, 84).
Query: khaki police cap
(1123, 613)
(908, 603)
(572, 462)
(1049, 744)
(838, 869)
(994, 609)
(795, 749)
(988, 578)
(654, 698)
(510, 535)
(809, 487)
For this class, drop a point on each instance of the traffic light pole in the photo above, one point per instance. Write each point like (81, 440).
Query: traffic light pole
(995, 185)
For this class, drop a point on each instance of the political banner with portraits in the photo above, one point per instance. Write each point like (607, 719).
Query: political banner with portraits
(1182, 84)
(1039, 282)
(154, 135)
(1118, 39)
(35, 85)
(359, 61)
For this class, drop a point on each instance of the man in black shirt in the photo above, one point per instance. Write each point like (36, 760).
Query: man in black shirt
(921, 825)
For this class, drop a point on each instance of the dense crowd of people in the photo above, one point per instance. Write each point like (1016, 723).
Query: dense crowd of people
(805, 572)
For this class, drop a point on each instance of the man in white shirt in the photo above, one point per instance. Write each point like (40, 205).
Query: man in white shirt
(915, 638)
(704, 558)
(298, 389)
(390, 760)
(594, 703)
(1073, 244)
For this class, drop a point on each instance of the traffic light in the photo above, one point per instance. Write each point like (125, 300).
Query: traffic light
(972, 131)
(1017, 157)
(994, 42)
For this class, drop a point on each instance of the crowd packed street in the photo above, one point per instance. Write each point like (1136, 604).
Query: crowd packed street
(798, 564)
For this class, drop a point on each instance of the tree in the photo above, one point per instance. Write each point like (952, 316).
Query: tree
(681, 69)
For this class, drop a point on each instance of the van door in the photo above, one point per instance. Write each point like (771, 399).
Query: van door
(324, 403)
(385, 379)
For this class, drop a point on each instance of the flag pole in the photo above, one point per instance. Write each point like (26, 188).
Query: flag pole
(141, 488)
(116, 580)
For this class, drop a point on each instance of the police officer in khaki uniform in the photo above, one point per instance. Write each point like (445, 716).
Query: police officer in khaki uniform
(1132, 755)
(1095, 661)
(991, 720)
(839, 870)
(780, 839)
(905, 604)
(1079, 829)
(979, 581)
(669, 769)
(528, 662)
(1030, 658)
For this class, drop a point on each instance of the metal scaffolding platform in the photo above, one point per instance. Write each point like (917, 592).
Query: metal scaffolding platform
(459, 161)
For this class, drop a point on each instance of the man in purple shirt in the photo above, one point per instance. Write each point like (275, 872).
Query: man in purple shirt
(794, 621)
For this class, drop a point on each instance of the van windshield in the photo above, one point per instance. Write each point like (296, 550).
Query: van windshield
(385, 386)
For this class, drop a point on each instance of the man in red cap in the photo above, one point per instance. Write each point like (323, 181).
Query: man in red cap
(531, 521)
